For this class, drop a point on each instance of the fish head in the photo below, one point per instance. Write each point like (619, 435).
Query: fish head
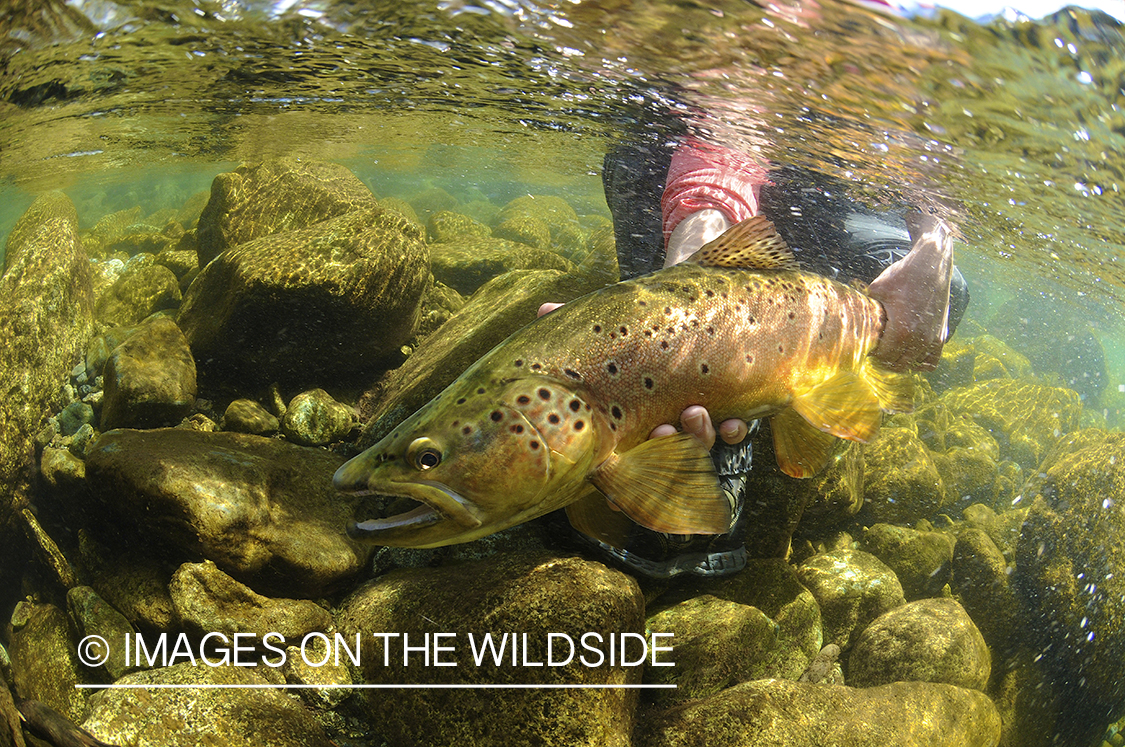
(479, 458)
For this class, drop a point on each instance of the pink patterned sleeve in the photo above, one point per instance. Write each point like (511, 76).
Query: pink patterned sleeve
(704, 176)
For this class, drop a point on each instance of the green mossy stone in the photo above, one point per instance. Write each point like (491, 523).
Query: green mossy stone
(920, 560)
(982, 581)
(149, 379)
(532, 593)
(901, 481)
(313, 418)
(471, 261)
(930, 640)
(779, 713)
(247, 416)
(717, 643)
(447, 226)
(250, 715)
(852, 588)
(92, 615)
(45, 665)
(275, 196)
(138, 292)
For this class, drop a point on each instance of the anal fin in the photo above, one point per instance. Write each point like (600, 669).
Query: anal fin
(801, 450)
(667, 484)
(844, 405)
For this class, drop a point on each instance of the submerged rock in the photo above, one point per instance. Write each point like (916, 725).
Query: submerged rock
(779, 713)
(263, 510)
(149, 378)
(1070, 579)
(313, 418)
(92, 615)
(283, 194)
(921, 561)
(931, 640)
(541, 221)
(316, 304)
(139, 291)
(46, 319)
(44, 663)
(247, 416)
(901, 482)
(526, 594)
(249, 716)
(207, 600)
(852, 588)
(471, 261)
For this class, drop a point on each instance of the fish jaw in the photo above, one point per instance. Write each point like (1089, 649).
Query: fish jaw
(442, 509)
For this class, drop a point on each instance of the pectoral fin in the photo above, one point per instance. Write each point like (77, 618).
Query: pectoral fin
(593, 516)
(667, 484)
(845, 406)
(801, 450)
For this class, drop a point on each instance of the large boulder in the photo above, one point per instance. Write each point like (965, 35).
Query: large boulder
(263, 510)
(149, 378)
(46, 319)
(333, 300)
(282, 194)
(779, 713)
(520, 599)
(468, 262)
(186, 705)
(1070, 579)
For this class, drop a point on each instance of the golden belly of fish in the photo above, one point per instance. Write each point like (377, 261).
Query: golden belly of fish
(567, 404)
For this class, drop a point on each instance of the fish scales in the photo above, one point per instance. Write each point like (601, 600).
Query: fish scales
(567, 404)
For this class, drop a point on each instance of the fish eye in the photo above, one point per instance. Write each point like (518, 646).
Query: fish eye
(424, 454)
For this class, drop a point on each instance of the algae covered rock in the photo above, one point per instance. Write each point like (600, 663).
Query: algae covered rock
(982, 581)
(207, 600)
(282, 194)
(525, 596)
(45, 665)
(320, 303)
(541, 221)
(92, 615)
(247, 416)
(901, 482)
(718, 643)
(313, 418)
(149, 378)
(248, 716)
(1070, 579)
(930, 640)
(46, 320)
(779, 713)
(1025, 418)
(469, 262)
(852, 588)
(446, 225)
(263, 510)
(141, 289)
(921, 561)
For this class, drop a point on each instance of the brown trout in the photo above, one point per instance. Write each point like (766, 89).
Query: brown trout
(568, 402)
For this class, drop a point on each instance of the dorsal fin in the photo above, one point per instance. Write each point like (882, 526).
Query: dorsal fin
(752, 244)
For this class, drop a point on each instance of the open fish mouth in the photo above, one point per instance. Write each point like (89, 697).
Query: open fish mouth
(430, 503)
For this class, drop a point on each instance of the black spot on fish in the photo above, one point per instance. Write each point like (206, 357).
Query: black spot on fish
(535, 367)
(519, 363)
(466, 430)
(613, 335)
(523, 399)
(710, 330)
(612, 368)
(613, 426)
(461, 401)
(642, 303)
(534, 444)
(792, 315)
(516, 429)
(553, 419)
(648, 333)
(781, 348)
(648, 383)
(574, 405)
(749, 359)
(710, 293)
(544, 394)
(616, 412)
(579, 425)
(480, 390)
(668, 310)
(572, 373)
(664, 344)
(751, 319)
(455, 423)
(496, 416)
(704, 369)
(597, 329)
(624, 331)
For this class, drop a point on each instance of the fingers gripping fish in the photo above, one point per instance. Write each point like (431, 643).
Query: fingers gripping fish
(568, 402)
